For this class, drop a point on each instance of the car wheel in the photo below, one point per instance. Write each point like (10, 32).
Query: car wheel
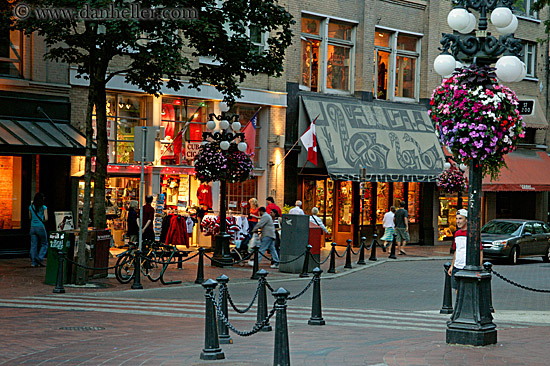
(514, 255)
(546, 257)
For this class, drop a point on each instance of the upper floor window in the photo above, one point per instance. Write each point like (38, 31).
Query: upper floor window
(11, 53)
(327, 54)
(396, 62)
(530, 59)
(525, 7)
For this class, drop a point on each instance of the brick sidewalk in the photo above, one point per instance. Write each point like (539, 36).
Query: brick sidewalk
(18, 278)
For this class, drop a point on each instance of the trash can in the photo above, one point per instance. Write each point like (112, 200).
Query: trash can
(64, 241)
(316, 240)
(98, 243)
(294, 239)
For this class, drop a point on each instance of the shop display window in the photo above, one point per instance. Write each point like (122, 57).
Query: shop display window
(382, 201)
(398, 194)
(448, 206)
(366, 203)
(183, 121)
(345, 206)
(10, 192)
(413, 202)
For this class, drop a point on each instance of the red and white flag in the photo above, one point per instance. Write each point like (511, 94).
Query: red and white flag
(309, 139)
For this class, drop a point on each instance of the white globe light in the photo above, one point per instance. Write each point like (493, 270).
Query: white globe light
(236, 126)
(471, 24)
(223, 107)
(523, 72)
(204, 143)
(444, 64)
(511, 28)
(501, 17)
(224, 125)
(224, 145)
(242, 146)
(509, 68)
(447, 166)
(211, 124)
(458, 19)
(463, 167)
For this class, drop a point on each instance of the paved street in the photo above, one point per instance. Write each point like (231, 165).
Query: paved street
(384, 314)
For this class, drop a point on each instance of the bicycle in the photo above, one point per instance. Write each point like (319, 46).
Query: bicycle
(152, 262)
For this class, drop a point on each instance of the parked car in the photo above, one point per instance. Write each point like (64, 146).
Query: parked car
(512, 239)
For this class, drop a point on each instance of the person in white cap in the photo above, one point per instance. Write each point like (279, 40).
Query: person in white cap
(459, 246)
(297, 210)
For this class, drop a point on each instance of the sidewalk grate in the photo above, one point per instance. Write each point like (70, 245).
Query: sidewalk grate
(82, 329)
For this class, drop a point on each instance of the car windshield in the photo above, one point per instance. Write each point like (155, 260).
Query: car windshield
(501, 227)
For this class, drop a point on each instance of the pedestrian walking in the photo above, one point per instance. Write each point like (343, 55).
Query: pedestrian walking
(459, 245)
(253, 217)
(389, 227)
(297, 210)
(401, 221)
(277, 223)
(148, 233)
(272, 206)
(38, 214)
(132, 222)
(265, 224)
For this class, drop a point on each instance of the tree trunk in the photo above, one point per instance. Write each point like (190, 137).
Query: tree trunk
(81, 252)
(102, 158)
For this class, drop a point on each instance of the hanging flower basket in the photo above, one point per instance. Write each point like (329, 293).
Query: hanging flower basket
(477, 118)
(452, 181)
(214, 164)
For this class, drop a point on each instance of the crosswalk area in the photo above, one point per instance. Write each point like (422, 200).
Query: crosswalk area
(430, 321)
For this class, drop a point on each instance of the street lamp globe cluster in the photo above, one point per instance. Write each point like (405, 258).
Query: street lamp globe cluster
(464, 47)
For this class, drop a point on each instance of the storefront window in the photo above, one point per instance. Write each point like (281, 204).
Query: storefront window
(448, 205)
(413, 202)
(366, 203)
(382, 201)
(183, 122)
(398, 194)
(345, 206)
(10, 192)
(238, 195)
(11, 57)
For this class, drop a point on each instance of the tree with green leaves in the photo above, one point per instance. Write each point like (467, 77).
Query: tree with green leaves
(160, 52)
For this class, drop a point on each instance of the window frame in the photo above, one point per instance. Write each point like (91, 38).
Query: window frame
(525, 13)
(394, 52)
(18, 60)
(325, 41)
(526, 46)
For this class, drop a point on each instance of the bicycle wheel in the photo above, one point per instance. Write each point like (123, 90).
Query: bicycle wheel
(153, 266)
(124, 270)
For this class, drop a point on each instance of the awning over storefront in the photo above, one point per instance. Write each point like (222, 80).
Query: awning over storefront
(394, 142)
(46, 138)
(527, 170)
(532, 112)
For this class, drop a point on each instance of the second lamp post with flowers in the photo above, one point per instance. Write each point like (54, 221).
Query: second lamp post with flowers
(223, 158)
(478, 120)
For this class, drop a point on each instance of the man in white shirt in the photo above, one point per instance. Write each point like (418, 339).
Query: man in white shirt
(389, 226)
(297, 210)
(316, 220)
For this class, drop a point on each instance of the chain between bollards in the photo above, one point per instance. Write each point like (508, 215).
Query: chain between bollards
(281, 354)
(223, 330)
(393, 244)
(348, 255)
(59, 289)
(211, 350)
(373, 248)
(200, 268)
(255, 265)
(361, 260)
(137, 271)
(316, 312)
(447, 307)
(305, 267)
(262, 302)
(332, 267)
(489, 268)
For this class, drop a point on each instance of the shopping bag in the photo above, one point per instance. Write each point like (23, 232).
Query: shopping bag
(254, 242)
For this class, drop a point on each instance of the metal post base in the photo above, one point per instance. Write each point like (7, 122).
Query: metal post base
(212, 354)
(472, 337)
(225, 339)
(316, 321)
(222, 255)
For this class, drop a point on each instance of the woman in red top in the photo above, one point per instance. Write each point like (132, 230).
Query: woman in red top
(252, 221)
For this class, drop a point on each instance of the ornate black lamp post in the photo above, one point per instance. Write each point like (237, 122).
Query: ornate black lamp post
(224, 130)
(471, 322)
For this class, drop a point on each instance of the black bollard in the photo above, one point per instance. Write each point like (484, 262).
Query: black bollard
(362, 251)
(373, 249)
(316, 313)
(211, 350)
(447, 307)
(200, 268)
(332, 268)
(305, 267)
(137, 271)
(281, 353)
(392, 251)
(262, 302)
(488, 267)
(348, 255)
(255, 266)
(223, 330)
(59, 289)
